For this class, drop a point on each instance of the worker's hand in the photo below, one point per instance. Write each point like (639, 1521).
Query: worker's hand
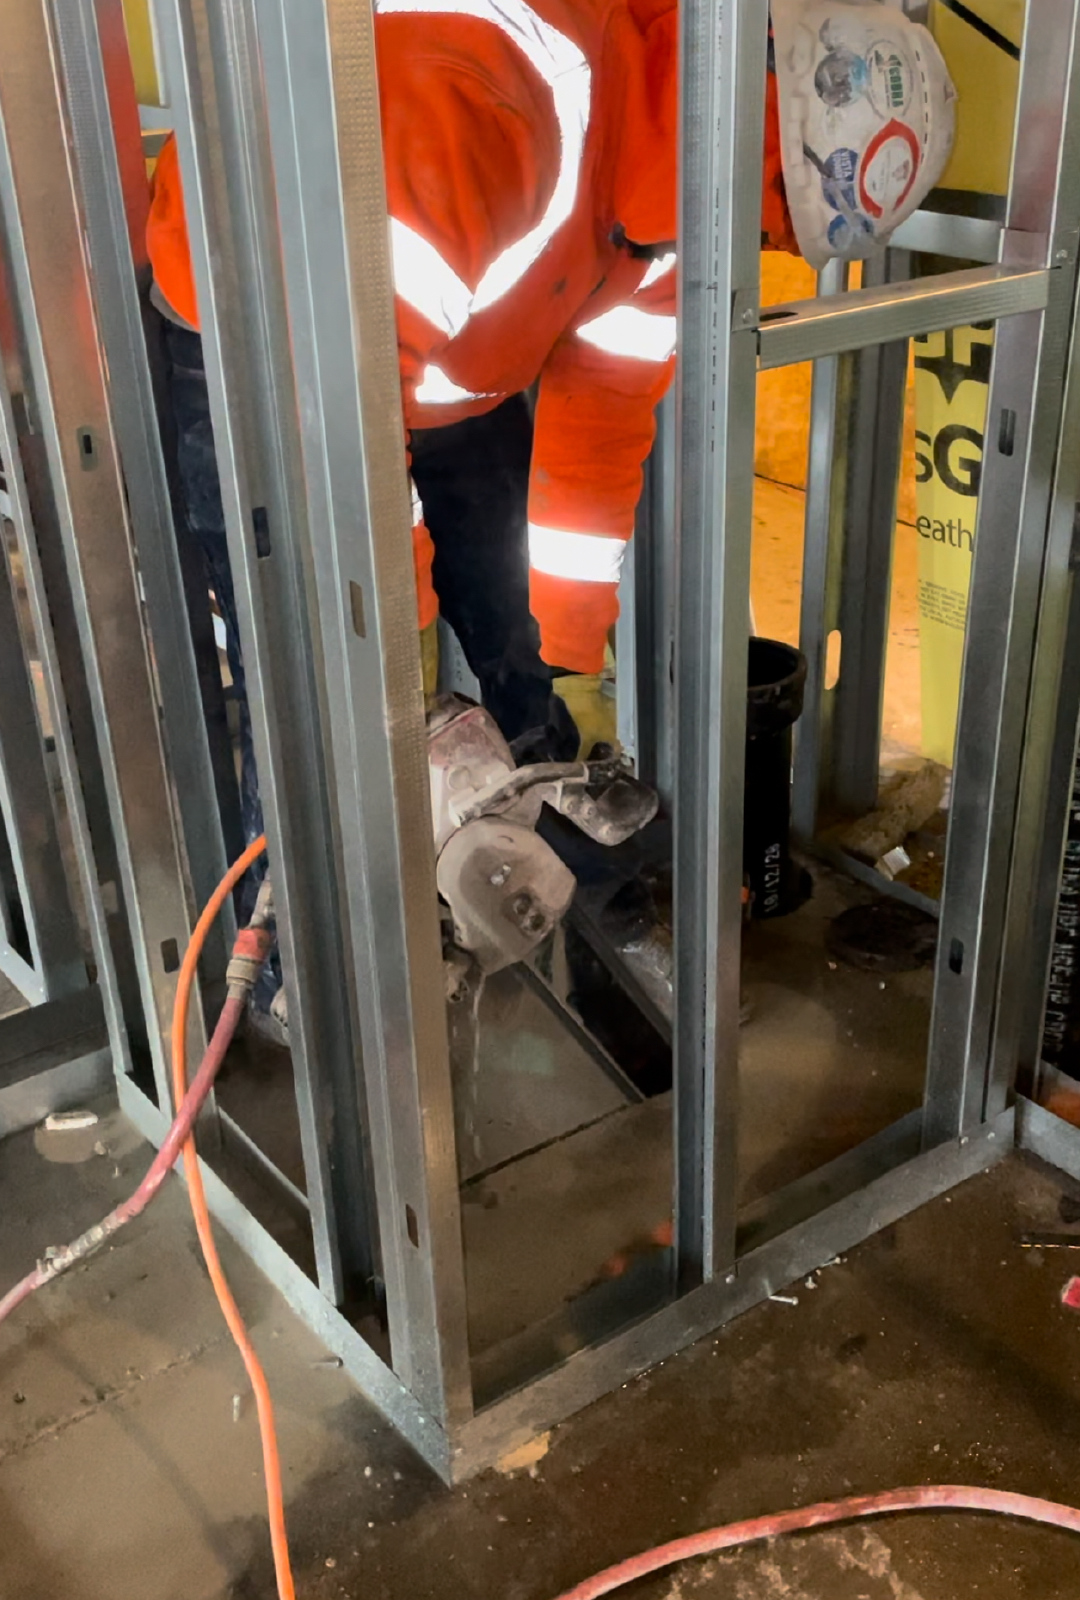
(592, 708)
(429, 658)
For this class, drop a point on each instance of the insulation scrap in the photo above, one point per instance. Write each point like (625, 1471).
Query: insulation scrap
(906, 802)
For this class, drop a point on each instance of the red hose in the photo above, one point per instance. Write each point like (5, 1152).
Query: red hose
(249, 952)
(737, 1534)
(59, 1260)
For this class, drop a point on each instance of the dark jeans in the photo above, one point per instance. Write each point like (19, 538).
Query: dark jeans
(473, 482)
(473, 479)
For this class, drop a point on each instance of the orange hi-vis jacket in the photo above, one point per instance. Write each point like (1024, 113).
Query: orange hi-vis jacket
(526, 142)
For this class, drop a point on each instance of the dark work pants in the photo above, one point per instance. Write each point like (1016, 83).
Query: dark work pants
(472, 478)
(473, 481)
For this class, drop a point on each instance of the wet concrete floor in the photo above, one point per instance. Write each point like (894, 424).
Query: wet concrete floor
(938, 1351)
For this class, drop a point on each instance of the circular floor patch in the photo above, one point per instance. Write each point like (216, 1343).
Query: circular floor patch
(884, 936)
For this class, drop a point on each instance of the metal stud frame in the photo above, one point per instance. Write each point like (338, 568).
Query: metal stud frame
(275, 106)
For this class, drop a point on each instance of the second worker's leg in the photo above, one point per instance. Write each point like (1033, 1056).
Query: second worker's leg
(204, 523)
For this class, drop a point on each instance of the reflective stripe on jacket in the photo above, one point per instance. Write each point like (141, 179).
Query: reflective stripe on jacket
(526, 141)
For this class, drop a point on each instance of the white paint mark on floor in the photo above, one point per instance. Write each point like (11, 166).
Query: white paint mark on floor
(866, 1551)
(770, 1583)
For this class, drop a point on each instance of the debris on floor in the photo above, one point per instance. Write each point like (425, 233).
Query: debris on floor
(906, 802)
(894, 862)
(70, 1138)
(1070, 1295)
(527, 1457)
(70, 1121)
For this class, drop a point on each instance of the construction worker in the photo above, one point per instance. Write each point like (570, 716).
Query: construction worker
(530, 150)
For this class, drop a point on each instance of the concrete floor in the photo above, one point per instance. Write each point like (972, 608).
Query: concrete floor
(938, 1351)
(830, 1057)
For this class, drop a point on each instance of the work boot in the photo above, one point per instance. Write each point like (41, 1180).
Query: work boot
(590, 699)
(557, 739)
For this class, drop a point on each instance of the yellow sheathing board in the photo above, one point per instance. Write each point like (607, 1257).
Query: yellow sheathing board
(140, 34)
(952, 370)
(986, 79)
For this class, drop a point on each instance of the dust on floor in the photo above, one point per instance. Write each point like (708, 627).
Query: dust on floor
(937, 1351)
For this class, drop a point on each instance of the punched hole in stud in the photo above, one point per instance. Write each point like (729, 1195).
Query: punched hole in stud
(260, 523)
(170, 955)
(356, 606)
(834, 645)
(87, 449)
(412, 1227)
(956, 956)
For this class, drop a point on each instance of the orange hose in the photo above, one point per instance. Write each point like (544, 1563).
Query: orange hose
(275, 1499)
